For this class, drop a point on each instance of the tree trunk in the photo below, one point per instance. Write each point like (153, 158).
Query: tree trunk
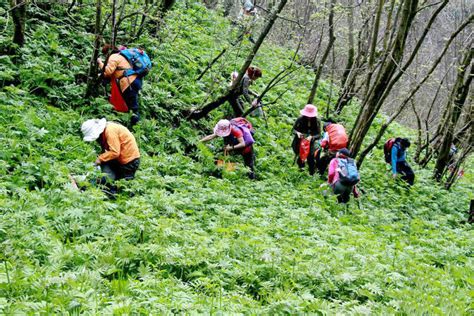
(419, 140)
(92, 78)
(382, 130)
(318, 71)
(425, 146)
(341, 102)
(196, 115)
(19, 20)
(373, 46)
(387, 86)
(349, 89)
(114, 23)
(456, 103)
(372, 101)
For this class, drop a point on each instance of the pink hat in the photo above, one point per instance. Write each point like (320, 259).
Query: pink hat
(222, 128)
(309, 111)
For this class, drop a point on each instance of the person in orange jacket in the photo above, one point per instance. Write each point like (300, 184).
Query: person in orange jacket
(120, 157)
(129, 85)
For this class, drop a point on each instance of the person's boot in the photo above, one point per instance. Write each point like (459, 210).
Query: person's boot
(134, 119)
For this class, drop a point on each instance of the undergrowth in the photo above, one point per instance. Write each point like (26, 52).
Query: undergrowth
(186, 236)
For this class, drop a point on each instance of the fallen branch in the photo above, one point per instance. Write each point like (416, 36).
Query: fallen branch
(210, 64)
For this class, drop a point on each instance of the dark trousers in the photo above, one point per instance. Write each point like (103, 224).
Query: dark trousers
(407, 173)
(130, 95)
(311, 162)
(249, 161)
(116, 171)
(342, 191)
(323, 160)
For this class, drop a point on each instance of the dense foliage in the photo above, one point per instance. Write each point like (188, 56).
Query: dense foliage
(186, 236)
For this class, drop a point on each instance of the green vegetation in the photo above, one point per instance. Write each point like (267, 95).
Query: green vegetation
(194, 238)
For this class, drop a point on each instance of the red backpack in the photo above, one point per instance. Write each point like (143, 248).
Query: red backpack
(337, 137)
(387, 150)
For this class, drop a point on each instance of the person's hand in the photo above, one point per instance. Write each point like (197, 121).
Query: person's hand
(300, 135)
(227, 149)
(356, 194)
(97, 162)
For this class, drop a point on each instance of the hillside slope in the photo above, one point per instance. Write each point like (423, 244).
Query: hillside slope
(187, 237)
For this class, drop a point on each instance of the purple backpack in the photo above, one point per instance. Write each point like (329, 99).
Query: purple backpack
(247, 133)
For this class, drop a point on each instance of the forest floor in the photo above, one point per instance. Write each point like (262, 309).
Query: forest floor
(189, 237)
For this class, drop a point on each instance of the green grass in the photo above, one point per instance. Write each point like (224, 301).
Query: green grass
(196, 239)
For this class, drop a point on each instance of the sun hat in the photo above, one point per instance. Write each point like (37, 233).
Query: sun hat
(91, 129)
(222, 128)
(309, 111)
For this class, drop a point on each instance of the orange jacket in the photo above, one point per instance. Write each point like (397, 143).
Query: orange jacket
(118, 143)
(115, 67)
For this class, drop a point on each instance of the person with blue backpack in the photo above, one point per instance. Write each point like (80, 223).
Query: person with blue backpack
(238, 138)
(127, 67)
(395, 151)
(343, 176)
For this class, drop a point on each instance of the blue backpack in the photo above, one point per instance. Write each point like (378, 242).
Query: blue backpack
(348, 173)
(139, 60)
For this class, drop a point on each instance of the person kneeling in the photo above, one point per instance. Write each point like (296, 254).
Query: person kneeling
(120, 157)
(343, 176)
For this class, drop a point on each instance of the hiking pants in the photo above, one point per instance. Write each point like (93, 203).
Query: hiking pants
(407, 173)
(296, 149)
(130, 95)
(249, 161)
(323, 161)
(117, 171)
(342, 191)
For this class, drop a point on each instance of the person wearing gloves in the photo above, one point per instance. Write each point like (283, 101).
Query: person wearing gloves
(307, 126)
(237, 135)
(120, 157)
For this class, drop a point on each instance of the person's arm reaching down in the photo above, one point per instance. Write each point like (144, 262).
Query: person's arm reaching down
(114, 148)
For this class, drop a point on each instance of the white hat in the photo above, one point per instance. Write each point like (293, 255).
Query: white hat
(92, 129)
(222, 128)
